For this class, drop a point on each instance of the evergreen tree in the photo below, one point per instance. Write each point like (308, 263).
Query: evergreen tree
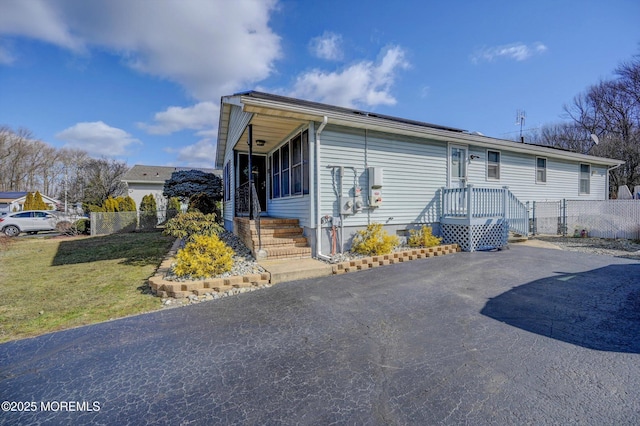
(110, 205)
(38, 202)
(173, 207)
(28, 202)
(148, 214)
(126, 204)
(148, 203)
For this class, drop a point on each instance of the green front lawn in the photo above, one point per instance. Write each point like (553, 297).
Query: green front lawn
(49, 284)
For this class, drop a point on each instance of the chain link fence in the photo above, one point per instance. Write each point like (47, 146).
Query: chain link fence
(602, 219)
(105, 223)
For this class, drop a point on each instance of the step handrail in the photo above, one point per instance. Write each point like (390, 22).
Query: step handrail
(475, 203)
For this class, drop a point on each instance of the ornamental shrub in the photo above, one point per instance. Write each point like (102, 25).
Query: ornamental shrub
(374, 240)
(38, 202)
(423, 237)
(148, 212)
(173, 207)
(186, 225)
(126, 204)
(203, 256)
(28, 202)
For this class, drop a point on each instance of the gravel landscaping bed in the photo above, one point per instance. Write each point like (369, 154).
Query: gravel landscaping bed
(609, 247)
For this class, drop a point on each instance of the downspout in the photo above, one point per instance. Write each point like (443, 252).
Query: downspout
(319, 254)
(607, 180)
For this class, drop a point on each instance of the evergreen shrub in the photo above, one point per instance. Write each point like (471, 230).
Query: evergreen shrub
(203, 256)
(374, 241)
(186, 225)
(423, 237)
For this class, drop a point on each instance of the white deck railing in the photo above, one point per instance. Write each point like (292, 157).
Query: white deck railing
(476, 203)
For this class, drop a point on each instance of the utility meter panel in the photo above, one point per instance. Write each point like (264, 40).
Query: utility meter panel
(346, 205)
(375, 186)
(375, 198)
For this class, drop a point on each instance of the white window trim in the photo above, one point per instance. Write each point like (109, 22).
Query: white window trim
(580, 179)
(288, 140)
(499, 164)
(546, 171)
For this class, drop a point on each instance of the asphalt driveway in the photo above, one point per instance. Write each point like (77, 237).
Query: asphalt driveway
(521, 336)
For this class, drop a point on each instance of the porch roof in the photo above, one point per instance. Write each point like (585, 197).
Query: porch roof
(275, 117)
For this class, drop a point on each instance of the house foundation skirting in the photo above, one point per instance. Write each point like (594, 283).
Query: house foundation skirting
(477, 235)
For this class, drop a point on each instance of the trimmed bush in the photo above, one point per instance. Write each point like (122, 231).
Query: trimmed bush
(186, 225)
(83, 226)
(173, 208)
(374, 241)
(148, 212)
(423, 237)
(203, 256)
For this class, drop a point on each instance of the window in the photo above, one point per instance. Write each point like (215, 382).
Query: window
(275, 175)
(290, 167)
(286, 169)
(227, 181)
(585, 176)
(541, 170)
(493, 164)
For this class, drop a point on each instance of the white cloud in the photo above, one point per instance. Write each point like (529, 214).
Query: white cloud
(516, 51)
(98, 139)
(327, 46)
(6, 57)
(199, 154)
(202, 116)
(364, 83)
(211, 48)
(39, 19)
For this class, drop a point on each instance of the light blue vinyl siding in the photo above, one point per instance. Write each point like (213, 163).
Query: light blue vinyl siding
(291, 207)
(518, 172)
(413, 171)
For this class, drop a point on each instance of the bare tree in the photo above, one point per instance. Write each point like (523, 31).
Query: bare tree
(611, 110)
(101, 179)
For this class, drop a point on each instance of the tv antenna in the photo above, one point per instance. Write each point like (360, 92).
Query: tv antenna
(521, 116)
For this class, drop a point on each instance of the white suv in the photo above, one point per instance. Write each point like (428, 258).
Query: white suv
(30, 221)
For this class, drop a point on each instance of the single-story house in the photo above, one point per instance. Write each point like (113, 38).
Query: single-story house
(14, 201)
(144, 180)
(338, 168)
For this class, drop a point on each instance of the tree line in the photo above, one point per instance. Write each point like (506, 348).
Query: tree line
(607, 112)
(28, 165)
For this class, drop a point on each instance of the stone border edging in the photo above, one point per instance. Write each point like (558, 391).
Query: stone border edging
(396, 257)
(182, 289)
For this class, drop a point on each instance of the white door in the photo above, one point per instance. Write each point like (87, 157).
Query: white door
(457, 166)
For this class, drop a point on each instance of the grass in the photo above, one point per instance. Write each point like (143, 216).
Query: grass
(57, 283)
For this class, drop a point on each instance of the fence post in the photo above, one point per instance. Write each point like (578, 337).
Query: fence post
(92, 224)
(563, 211)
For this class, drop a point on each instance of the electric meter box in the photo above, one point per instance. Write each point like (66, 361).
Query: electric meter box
(375, 186)
(375, 177)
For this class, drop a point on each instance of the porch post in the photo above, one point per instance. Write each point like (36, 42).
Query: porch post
(469, 189)
(505, 202)
(250, 143)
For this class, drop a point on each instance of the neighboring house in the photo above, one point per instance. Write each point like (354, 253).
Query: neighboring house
(14, 201)
(144, 180)
(319, 163)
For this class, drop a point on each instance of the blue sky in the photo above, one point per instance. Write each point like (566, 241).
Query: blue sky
(141, 80)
